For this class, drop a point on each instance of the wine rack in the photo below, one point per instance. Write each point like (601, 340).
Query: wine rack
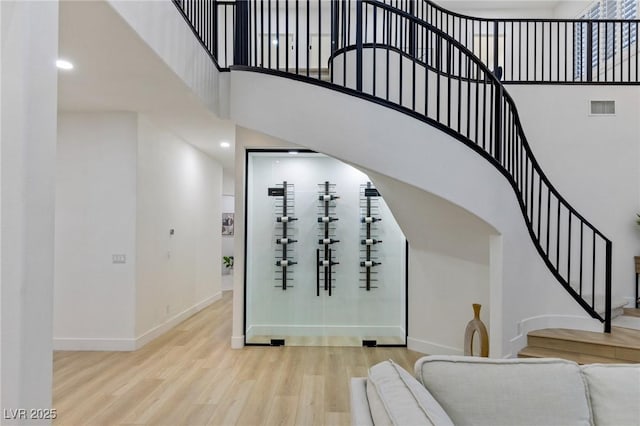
(370, 208)
(284, 210)
(325, 256)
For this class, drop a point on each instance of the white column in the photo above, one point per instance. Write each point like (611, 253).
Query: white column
(28, 91)
(237, 335)
(496, 319)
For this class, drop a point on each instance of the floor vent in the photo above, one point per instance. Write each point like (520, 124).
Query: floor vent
(370, 343)
(277, 342)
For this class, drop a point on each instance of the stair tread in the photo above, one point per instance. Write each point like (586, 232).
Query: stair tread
(619, 337)
(537, 352)
(632, 312)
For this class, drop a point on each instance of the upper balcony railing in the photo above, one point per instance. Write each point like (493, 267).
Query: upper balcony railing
(550, 51)
(373, 50)
(524, 51)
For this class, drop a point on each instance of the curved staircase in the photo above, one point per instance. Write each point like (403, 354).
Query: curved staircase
(417, 58)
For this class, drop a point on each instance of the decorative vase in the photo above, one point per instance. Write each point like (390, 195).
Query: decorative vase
(476, 326)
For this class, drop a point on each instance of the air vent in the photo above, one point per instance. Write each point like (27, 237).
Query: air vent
(603, 107)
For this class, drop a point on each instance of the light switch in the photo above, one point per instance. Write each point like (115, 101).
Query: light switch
(119, 258)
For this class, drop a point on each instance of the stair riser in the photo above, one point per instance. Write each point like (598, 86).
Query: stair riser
(628, 354)
(632, 312)
(535, 352)
(623, 354)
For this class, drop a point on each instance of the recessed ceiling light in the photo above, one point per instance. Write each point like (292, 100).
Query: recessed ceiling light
(293, 152)
(225, 144)
(63, 64)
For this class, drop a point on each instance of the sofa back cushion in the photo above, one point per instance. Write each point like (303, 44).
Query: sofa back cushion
(397, 398)
(513, 392)
(614, 391)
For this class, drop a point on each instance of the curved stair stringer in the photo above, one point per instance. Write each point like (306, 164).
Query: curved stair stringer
(525, 295)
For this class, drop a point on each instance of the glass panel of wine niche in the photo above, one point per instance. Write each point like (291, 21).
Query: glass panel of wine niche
(325, 258)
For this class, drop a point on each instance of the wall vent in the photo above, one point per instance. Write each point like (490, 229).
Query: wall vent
(603, 108)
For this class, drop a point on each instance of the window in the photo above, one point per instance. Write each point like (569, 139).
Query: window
(604, 34)
(582, 39)
(610, 12)
(628, 11)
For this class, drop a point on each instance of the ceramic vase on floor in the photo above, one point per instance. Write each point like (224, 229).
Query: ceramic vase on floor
(476, 326)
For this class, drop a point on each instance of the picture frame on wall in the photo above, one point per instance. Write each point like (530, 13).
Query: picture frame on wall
(227, 223)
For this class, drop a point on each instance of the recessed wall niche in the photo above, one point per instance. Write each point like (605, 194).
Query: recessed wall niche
(307, 312)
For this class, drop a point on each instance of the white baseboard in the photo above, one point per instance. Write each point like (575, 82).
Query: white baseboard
(324, 330)
(159, 330)
(237, 342)
(551, 321)
(104, 344)
(431, 348)
(93, 344)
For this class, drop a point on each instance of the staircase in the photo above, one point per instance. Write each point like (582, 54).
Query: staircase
(622, 345)
(417, 60)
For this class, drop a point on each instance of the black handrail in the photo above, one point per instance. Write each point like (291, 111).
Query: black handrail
(543, 50)
(379, 52)
(211, 21)
(501, 137)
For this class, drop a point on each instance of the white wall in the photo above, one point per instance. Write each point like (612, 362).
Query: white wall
(438, 164)
(163, 28)
(28, 90)
(123, 182)
(593, 161)
(570, 9)
(500, 9)
(441, 306)
(95, 219)
(228, 183)
(179, 188)
(448, 265)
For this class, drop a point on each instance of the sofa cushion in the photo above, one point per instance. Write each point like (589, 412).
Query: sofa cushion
(360, 412)
(397, 398)
(614, 391)
(514, 392)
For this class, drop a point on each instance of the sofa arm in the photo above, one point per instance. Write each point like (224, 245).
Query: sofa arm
(360, 413)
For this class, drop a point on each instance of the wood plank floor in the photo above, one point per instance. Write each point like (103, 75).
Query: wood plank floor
(191, 376)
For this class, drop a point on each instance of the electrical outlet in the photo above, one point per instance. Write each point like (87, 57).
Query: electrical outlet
(168, 309)
(119, 258)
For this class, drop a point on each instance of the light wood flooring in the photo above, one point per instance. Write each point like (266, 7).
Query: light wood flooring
(191, 376)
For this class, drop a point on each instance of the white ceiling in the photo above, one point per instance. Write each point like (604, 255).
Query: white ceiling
(498, 4)
(116, 71)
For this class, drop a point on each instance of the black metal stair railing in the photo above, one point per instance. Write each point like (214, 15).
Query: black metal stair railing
(527, 51)
(534, 50)
(213, 23)
(376, 51)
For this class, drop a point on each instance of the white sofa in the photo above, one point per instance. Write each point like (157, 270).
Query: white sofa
(456, 390)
